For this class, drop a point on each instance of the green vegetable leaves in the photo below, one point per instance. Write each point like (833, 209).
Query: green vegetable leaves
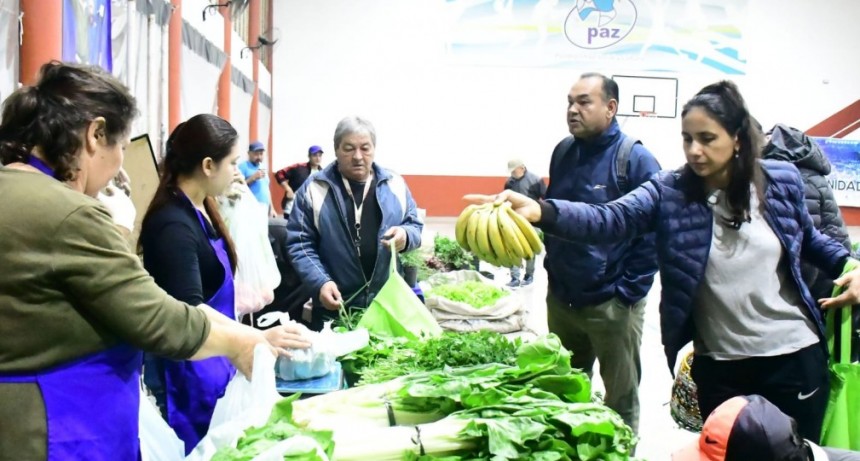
(388, 358)
(542, 353)
(305, 445)
(475, 294)
(449, 252)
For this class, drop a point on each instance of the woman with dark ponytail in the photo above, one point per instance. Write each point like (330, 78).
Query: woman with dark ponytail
(188, 250)
(731, 232)
(77, 306)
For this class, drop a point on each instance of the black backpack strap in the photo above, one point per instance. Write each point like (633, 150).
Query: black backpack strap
(561, 149)
(622, 162)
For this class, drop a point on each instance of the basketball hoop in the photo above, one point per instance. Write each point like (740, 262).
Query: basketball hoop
(647, 114)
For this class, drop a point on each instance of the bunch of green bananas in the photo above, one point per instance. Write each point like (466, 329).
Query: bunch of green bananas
(496, 234)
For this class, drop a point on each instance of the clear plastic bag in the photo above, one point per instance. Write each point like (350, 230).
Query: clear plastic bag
(257, 275)
(319, 359)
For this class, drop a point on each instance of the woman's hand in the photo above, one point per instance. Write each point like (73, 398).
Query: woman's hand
(850, 295)
(526, 207)
(289, 336)
(245, 339)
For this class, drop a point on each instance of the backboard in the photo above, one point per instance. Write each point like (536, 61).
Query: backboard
(655, 96)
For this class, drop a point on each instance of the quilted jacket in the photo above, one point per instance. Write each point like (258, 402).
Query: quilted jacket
(684, 231)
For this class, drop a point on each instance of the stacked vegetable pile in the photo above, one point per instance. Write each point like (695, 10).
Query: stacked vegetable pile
(473, 293)
(497, 234)
(467, 301)
(387, 358)
(538, 408)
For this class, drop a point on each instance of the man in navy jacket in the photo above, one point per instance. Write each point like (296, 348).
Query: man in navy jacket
(596, 294)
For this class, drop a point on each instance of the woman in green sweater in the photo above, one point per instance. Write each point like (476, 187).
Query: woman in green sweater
(76, 306)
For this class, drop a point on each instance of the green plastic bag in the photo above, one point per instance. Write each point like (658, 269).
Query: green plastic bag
(841, 428)
(396, 311)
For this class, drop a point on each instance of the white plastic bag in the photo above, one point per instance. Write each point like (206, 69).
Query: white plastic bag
(158, 441)
(257, 274)
(319, 359)
(245, 404)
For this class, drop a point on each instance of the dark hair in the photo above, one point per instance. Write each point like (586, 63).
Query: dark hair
(192, 141)
(723, 102)
(53, 113)
(610, 87)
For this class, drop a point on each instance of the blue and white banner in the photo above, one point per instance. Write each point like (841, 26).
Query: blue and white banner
(844, 177)
(87, 32)
(622, 35)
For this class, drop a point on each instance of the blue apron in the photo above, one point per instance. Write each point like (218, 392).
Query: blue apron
(91, 403)
(192, 388)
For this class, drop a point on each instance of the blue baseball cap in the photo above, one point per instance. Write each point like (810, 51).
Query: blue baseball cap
(313, 150)
(255, 146)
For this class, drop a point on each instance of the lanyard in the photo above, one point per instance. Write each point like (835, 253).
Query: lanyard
(40, 165)
(358, 207)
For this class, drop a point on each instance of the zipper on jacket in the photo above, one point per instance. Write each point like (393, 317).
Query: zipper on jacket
(780, 232)
(340, 212)
(357, 256)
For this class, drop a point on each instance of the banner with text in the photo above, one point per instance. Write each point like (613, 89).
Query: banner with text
(621, 35)
(844, 177)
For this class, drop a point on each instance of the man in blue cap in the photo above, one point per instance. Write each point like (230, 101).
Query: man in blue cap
(256, 176)
(293, 176)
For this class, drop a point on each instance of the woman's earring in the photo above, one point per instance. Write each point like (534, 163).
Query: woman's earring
(737, 154)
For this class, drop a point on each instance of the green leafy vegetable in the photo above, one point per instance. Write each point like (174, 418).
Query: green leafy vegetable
(384, 359)
(518, 427)
(427, 396)
(449, 252)
(280, 427)
(475, 294)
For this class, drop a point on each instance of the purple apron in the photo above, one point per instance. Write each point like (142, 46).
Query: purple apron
(91, 403)
(192, 388)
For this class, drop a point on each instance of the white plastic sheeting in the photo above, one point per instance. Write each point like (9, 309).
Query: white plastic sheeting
(119, 37)
(240, 112)
(199, 85)
(139, 46)
(264, 118)
(9, 48)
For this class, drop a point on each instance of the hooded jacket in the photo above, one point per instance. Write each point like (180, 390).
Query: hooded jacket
(792, 145)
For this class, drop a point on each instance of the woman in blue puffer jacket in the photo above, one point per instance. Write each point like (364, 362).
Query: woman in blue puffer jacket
(731, 232)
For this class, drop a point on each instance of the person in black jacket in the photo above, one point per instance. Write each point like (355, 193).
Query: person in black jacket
(792, 145)
(527, 183)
